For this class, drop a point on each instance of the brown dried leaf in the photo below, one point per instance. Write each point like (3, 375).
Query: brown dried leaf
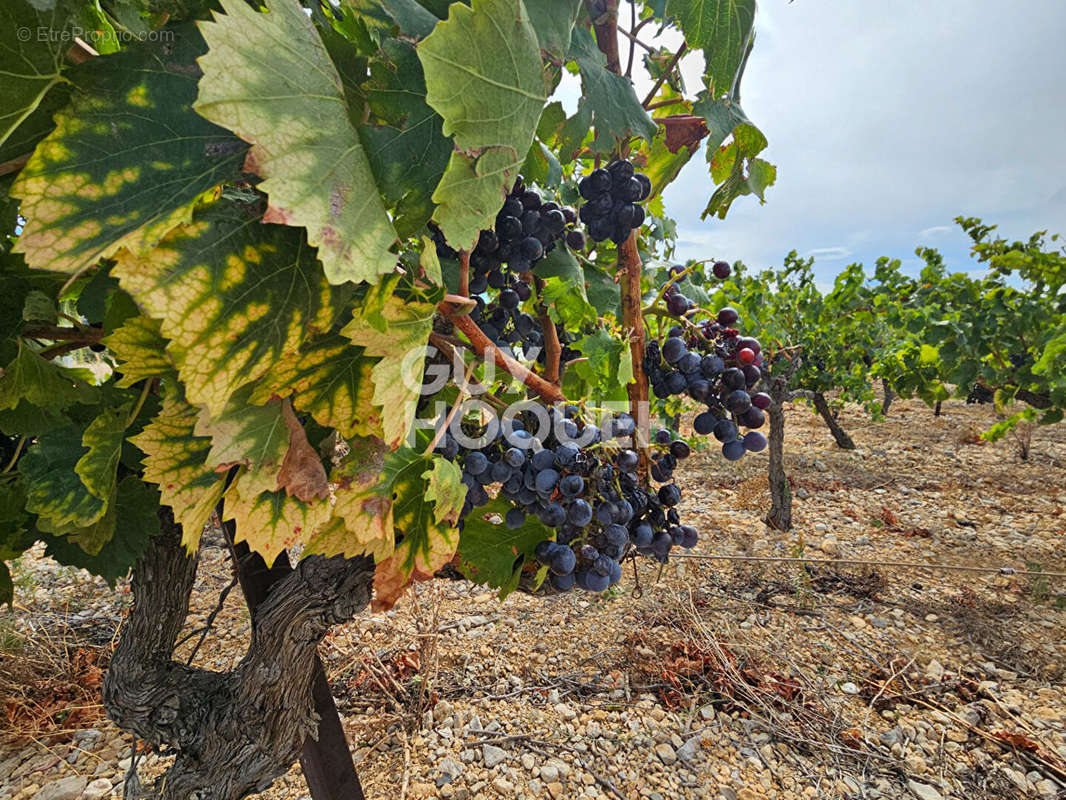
(302, 474)
(683, 130)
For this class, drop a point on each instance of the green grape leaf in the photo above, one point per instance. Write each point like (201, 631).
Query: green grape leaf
(381, 15)
(430, 263)
(722, 117)
(616, 111)
(605, 369)
(553, 20)
(291, 107)
(103, 438)
(271, 521)
(127, 160)
(43, 383)
(471, 193)
(233, 296)
(140, 349)
(331, 380)
(723, 30)
(176, 460)
(27, 419)
(134, 520)
(53, 488)
(7, 587)
(483, 76)
(247, 435)
(542, 166)
(490, 553)
(565, 305)
(39, 307)
(32, 68)
(14, 521)
(604, 294)
(362, 515)
(409, 152)
(401, 349)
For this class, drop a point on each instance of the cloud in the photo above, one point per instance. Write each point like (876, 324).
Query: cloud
(936, 230)
(828, 253)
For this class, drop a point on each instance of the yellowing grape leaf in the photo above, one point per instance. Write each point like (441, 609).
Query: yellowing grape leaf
(175, 458)
(416, 483)
(483, 76)
(445, 490)
(271, 521)
(330, 379)
(401, 347)
(302, 474)
(362, 514)
(255, 437)
(98, 467)
(233, 296)
(127, 159)
(269, 78)
(140, 349)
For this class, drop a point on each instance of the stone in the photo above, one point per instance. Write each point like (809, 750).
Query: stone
(97, 790)
(849, 688)
(829, 545)
(555, 789)
(934, 670)
(690, 749)
(528, 761)
(549, 773)
(493, 755)
(821, 466)
(665, 753)
(62, 789)
(504, 787)
(923, 791)
(450, 767)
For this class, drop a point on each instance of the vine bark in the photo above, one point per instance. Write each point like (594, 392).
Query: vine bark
(232, 733)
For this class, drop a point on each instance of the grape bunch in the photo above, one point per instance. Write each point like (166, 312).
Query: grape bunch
(526, 229)
(505, 323)
(713, 364)
(579, 480)
(611, 195)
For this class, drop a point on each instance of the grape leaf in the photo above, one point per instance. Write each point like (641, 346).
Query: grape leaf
(233, 296)
(39, 307)
(176, 459)
(489, 552)
(616, 111)
(553, 20)
(32, 69)
(722, 117)
(381, 15)
(42, 383)
(409, 152)
(723, 30)
(483, 76)
(7, 587)
(605, 370)
(401, 348)
(140, 350)
(362, 515)
(53, 488)
(471, 193)
(103, 438)
(134, 520)
(302, 474)
(247, 435)
(445, 490)
(127, 159)
(291, 107)
(330, 379)
(271, 521)
(427, 543)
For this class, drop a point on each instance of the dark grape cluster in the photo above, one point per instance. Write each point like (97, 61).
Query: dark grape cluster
(526, 229)
(579, 480)
(612, 195)
(713, 364)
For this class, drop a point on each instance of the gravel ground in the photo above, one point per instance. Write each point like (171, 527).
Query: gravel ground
(708, 679)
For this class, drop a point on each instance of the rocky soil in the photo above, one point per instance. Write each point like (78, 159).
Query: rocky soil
(711, 678)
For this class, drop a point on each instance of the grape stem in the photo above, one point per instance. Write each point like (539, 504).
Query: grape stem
(552, 349)
(15, 457)
(56, 333)
(484, 347)
(446, 346)
(666, 74)
(464, 273)
(464, 392)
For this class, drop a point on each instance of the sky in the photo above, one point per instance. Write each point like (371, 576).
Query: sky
(886, 120)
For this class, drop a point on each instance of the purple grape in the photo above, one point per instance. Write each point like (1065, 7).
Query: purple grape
(721, 269)
(754, 442)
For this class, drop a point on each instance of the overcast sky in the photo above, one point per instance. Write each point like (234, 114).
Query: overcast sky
(886, 120)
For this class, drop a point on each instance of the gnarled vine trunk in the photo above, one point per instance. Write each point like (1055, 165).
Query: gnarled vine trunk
(889, 395)
(780, 516)
(840, 436)
(233, 733)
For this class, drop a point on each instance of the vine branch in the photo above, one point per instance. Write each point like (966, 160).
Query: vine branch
(666, 74)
